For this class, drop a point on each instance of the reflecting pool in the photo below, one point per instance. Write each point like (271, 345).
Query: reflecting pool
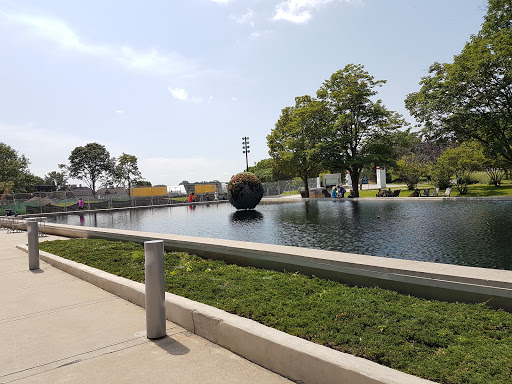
(472, 233)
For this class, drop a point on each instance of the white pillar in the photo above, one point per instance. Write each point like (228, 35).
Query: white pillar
(33, 244)
(381, 177)
(155, 289)
(348, 180)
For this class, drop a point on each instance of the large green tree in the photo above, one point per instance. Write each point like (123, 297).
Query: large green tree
(14, 172)
(295, 143)
(267, 170)
(410, 169)
(126, 171)
(91, 163)
(471, 98)
(359, 133)
(462, 161)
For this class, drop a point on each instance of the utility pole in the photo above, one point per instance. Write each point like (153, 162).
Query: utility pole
(245, 146)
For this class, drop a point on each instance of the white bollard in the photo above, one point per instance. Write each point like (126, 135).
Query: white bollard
(155, 289)
(33, 244)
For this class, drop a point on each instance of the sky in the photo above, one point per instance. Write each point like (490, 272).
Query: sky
(179, 83)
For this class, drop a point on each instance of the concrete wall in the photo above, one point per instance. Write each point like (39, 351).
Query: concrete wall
(430, 280)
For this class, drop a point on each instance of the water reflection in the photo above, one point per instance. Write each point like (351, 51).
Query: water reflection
(456, 232)
(245, 216)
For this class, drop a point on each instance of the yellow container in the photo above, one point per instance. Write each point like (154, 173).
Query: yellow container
(148, 191)
(205, 188)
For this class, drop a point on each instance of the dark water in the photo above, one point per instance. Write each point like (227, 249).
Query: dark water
(472, 233)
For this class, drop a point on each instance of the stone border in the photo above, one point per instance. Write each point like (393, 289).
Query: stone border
(287, 355)
(423, 279)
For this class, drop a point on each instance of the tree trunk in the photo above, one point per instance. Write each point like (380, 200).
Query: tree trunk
(354, 176)
(306, 186)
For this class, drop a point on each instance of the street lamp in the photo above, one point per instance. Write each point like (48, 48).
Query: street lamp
(245, 146)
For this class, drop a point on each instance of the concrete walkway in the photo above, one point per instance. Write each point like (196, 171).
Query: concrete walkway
(55, 328)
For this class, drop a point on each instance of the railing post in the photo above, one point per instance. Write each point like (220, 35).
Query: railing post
(155, 289)
(33, 244)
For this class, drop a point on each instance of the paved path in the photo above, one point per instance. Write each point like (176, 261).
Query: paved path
(55, 328)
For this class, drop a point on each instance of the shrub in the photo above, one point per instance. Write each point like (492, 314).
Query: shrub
(245, 190)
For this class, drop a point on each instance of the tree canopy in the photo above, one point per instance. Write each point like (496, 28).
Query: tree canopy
(359, 133)
(462, 161)
(267, 170)
(126, 171)
(14, 172)
(58, 178)
(471, 98)
(343, 129)
(90, 163)
(296, 142)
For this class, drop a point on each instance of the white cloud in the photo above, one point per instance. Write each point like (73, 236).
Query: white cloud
(152, 61)
(119, 112)
(246, 18)
(234, 99)
(51, 29)
(179, 93)
(221, 1)
(182, 95)
(259, 34)
(300, 11)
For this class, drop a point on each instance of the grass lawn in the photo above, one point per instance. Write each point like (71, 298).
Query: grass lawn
(474, 190)
(294, 192)
(486, 190)
(443, 342)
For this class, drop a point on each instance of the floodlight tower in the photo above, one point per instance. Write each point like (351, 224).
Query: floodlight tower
(245, 146)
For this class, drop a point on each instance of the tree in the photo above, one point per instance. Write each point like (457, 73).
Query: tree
(471, 98)
(462, 161)
(405, 142)
(295, 144)
(267, 171)
(126, 170)
(359, 131)
(142, 183)
(14, 172)
(90, 163)
(496, 169)
(58, 178)
(410, 169)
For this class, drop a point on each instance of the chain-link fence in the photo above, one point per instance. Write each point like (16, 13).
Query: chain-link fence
(287, 187)
(47, 202)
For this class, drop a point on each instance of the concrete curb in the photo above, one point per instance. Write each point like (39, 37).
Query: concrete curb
(287, 355)
(438, 281)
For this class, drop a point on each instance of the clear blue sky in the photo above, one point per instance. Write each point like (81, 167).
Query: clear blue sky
(179, 83)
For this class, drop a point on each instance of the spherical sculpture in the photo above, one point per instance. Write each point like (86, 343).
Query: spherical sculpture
(245, 190)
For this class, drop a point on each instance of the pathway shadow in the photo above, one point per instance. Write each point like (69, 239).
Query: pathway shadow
(171, 346)
(35, 271)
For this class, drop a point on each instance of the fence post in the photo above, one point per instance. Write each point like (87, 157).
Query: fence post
(33, 244)
(155, 289)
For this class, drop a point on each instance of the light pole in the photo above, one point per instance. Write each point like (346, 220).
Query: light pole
(245, 146)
